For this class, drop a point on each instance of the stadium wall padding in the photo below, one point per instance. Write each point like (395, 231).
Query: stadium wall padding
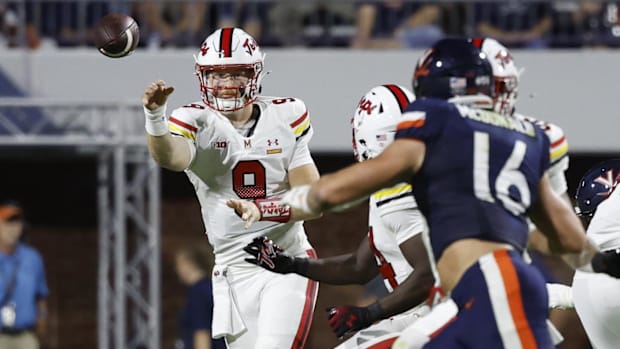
(576, 89)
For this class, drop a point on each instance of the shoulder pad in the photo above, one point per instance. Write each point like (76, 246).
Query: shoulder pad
(183, 121)
(558, 146)
(294, 113)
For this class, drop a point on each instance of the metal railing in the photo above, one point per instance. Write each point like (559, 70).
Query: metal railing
(43, 121)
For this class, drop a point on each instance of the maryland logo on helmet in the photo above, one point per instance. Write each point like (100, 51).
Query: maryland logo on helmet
(375, 118)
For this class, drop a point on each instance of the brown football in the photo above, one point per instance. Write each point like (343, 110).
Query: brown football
(116, 35)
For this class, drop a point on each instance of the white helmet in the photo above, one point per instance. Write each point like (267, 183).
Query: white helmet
(229, 49)
(375, 119)
(505, 72)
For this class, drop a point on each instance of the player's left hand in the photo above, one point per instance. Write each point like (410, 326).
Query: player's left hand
(345, 319)
(246, 210)
(607, 262)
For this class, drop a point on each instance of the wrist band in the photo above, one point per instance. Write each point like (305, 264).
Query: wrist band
(272, 209)
(156, 123)
(297, 198)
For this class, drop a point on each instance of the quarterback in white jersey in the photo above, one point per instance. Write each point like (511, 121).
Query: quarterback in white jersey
(393, 246)
(235, 143)
(596, 296)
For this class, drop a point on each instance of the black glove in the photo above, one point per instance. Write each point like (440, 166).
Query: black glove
(271, 257)
(607, 262)
(344, 319)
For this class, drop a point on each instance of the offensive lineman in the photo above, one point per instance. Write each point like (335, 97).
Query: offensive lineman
(393, 246)
(235, 143)
(596, 296)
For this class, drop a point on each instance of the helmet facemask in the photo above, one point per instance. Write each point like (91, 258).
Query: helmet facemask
(505, 73)
(505, 94)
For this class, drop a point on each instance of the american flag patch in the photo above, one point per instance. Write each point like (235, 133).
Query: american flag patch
(381, 137)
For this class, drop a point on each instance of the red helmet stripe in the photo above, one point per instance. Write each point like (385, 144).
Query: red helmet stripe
(477, 42)
(226, 41)
(400, 95)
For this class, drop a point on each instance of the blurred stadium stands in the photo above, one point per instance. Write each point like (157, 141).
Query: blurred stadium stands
(317, 23)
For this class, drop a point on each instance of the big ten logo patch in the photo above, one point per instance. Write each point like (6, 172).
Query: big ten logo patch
(365, 105)
(220, 144)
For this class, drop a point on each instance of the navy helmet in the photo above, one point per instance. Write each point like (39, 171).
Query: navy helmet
(453, 67)
(596, 185)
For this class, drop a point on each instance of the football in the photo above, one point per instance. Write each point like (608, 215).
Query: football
(116, 35)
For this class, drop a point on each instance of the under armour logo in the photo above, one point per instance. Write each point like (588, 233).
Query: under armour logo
(351, 320)
(272, 142)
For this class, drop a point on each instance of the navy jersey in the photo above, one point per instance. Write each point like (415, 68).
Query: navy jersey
(480, 173)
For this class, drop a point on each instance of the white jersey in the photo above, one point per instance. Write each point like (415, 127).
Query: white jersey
(394, 217)
(227, 165)
(558, 159)
(604, 227)
(596, 295)
(558, 153)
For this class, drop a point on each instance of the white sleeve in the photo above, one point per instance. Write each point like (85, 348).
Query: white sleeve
(557, 177)
(303, 131)
(302, 155)
(604, 227)
(405, 224)
(191, 145)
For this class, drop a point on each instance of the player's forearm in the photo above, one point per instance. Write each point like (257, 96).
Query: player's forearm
(169, 151)
(555, 218)
(583, 259)
(412, 292)
(340, 270)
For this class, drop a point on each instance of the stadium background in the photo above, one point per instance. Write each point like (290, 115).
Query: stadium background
(573, 87)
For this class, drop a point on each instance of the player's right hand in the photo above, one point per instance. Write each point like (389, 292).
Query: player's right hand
(269, 256)
(345, 319)
(156, 94)
(246, 210)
